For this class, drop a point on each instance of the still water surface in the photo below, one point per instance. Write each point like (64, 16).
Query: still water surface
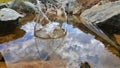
(81, 44)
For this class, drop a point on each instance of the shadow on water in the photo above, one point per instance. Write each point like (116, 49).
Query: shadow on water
(80, 44)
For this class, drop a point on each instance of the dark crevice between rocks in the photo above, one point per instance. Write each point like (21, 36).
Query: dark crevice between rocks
(111, 26)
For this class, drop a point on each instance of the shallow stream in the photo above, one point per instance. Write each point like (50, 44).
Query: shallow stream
(82, 45)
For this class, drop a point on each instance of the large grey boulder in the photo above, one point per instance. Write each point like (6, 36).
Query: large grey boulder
(98, 14)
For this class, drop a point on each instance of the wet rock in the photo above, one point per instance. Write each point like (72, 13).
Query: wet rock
(9, 19)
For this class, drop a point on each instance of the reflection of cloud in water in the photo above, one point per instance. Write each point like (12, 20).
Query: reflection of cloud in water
(84, 47)
(81, 46)
(20, 51)
(29, 28)
(108, 60)
(78, 34)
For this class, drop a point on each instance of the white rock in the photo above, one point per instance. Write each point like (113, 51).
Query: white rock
(9, 14)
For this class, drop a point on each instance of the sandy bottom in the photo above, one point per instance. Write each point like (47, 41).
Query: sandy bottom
(35, 64)
(54, 62)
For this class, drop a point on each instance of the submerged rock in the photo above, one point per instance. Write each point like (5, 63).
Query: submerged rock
(51, 30)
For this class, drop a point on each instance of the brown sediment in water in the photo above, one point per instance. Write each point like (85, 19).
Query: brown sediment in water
(35, 64)
(54, 62)
(27, 18)
(38, 64)
(18, 33)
